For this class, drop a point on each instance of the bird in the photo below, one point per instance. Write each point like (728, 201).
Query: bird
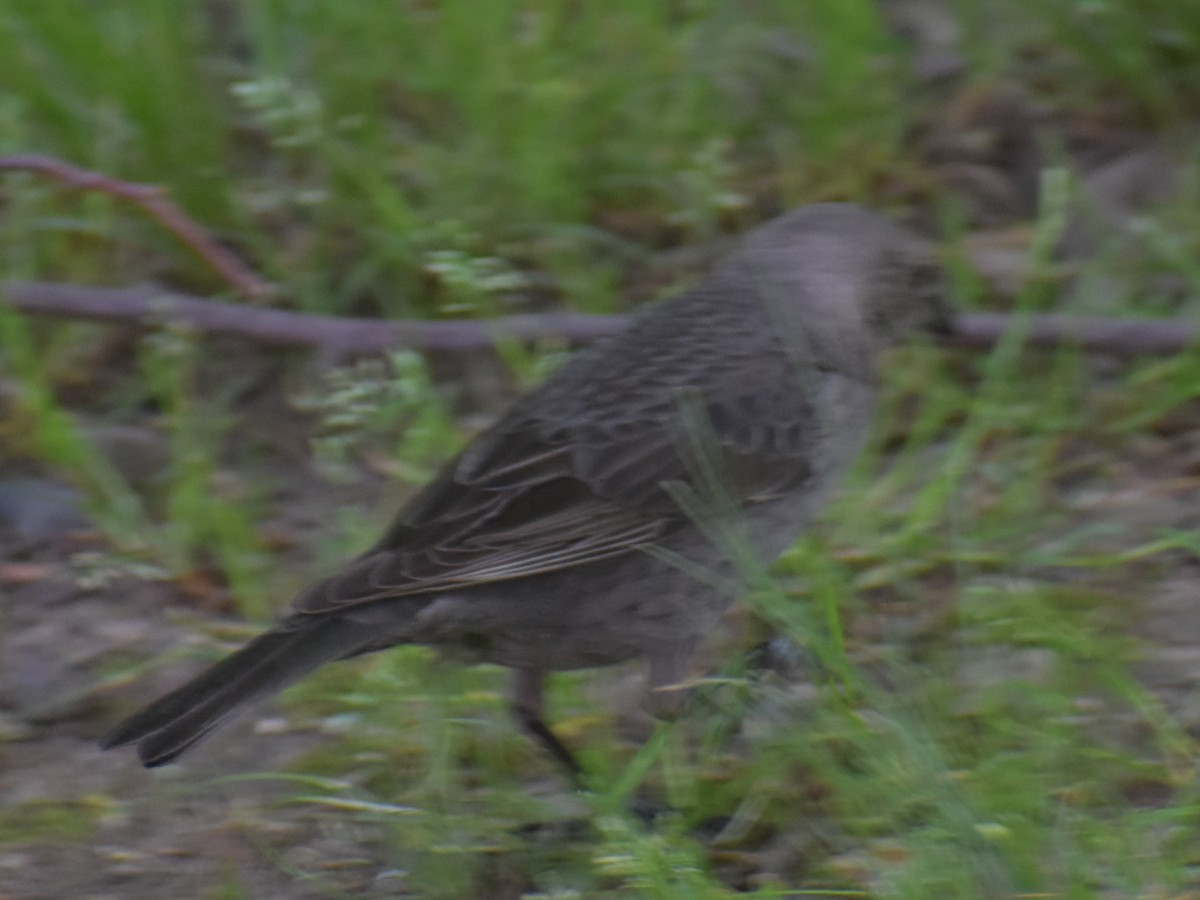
(599, 520)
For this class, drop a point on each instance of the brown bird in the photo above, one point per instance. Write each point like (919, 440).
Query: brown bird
(596, 522)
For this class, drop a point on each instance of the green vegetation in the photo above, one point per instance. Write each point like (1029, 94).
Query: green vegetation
(968, 612)
(45, 820)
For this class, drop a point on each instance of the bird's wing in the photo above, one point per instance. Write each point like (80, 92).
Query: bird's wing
(534, 495)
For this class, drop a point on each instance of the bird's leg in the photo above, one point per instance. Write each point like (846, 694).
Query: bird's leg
(527, 706)
(667, 671)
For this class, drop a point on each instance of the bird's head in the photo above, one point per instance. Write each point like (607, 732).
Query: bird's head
(845, 280)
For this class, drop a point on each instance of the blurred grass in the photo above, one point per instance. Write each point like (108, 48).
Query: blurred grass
(439, 159)
(453, 128)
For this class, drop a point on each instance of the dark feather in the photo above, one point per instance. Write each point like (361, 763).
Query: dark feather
(265, 666)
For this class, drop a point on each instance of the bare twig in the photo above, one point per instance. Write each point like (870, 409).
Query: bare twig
(151, 306)
(1123, 337)
(154, 201)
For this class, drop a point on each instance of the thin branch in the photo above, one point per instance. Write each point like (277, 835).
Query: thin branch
(153, 200)
(1124, 337)
(151, 306)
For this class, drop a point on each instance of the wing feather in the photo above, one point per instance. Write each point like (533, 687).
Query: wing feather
(575, 473)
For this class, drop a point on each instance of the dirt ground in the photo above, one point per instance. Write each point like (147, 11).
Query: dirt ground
(179, 831)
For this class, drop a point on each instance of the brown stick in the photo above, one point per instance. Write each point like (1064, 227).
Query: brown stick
(1124, 337)
(155, 306)
(154, 201)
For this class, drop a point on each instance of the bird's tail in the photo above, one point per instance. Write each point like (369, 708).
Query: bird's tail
(265, 666)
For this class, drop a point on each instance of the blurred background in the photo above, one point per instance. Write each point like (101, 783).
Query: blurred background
(979, 677)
